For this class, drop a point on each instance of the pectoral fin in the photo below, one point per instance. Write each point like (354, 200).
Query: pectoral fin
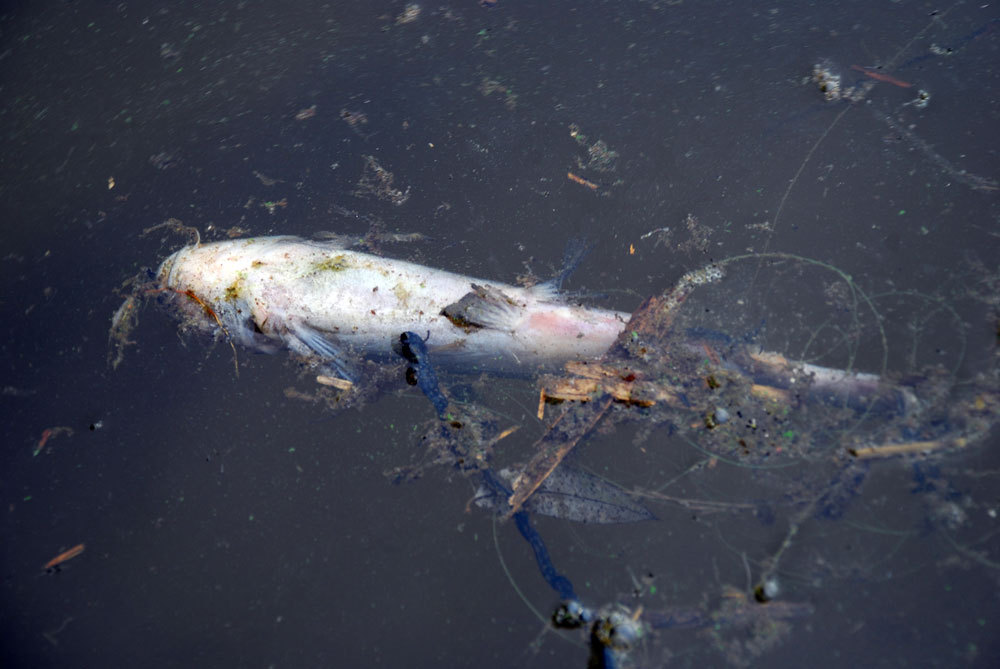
(484, 307)
(309, 342)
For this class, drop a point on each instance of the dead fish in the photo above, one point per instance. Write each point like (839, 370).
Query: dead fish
(322, 300)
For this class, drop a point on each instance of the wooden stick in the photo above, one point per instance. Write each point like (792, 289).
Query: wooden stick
(889, 450)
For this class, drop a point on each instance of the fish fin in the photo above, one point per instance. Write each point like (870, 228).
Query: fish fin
(334, 241)
(551, 290)
(576, 251)
(484, 307)
(547, 291)
(308, 342)
(573, 494)
(370, 241)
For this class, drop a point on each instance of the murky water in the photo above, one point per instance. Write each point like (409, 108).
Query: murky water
(240, 520)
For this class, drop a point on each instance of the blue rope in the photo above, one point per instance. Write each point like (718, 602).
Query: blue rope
(414, 349)
(557, 581)
(562, 585)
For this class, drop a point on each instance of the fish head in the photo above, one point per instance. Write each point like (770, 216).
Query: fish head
(206, 285)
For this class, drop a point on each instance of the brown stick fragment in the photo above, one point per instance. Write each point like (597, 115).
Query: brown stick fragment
(653, 319)
(552, 448)
(909, 448)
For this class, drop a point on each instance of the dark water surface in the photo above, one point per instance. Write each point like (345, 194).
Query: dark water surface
(228, 522)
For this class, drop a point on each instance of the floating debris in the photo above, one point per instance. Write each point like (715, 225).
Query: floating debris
(272, 205)
(164, 160)
(490, 86)
(376, 181)
(827, 80)
(334, 382)
(921, 101)
(599, 157)
(356, 120)
(14, 391)
(583, 182)
(54, 564)
(123, 322)
(266, 180)
(177, 226)
(409, 14)
(50, 433)
(305, 113)
(881, 76)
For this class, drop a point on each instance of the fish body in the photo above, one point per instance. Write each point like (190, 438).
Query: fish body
(320, 299)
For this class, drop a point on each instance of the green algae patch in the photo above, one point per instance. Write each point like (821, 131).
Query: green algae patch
(335, 264)
(234, 290)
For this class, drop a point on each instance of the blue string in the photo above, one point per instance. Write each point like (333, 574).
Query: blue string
(413, 348)
(557, 581)
(562, 585)
(952, 48)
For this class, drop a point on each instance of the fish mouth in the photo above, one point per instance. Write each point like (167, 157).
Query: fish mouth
(167, 274)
